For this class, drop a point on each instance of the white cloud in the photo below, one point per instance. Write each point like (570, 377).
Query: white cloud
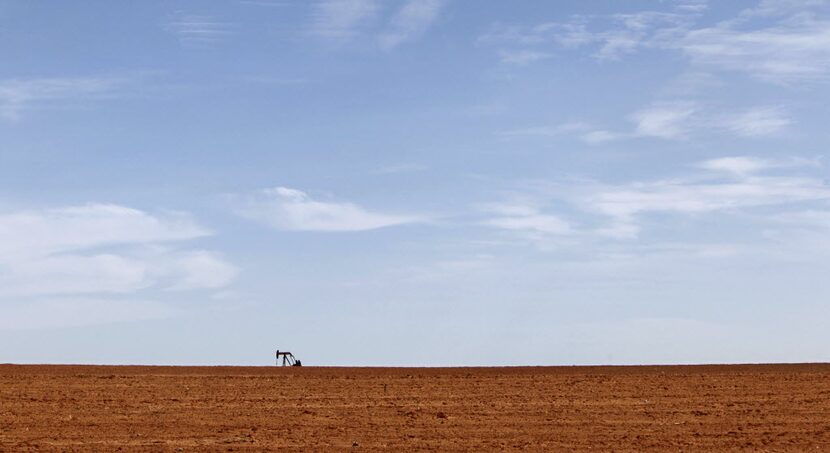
(758, 122)
(688, 197)
(522, 57)
(601, 136)
(199, 269)
(778, 41)
(664, 120)
(410, 22)
(624, 33)
(72, 274)
(796, 49)
(341, 19)
(692, 7)
(781, 7)
(293, 210)
(811, 218)
(744, 188)
(676, 120)
(740, 165)
(737, 184)
(745, 165)
(525, 218)
(198, 29)
(101, 249)
(18, 96)
(56, 230)
(537, 223)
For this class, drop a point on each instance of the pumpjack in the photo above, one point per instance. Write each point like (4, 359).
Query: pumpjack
(288, 359)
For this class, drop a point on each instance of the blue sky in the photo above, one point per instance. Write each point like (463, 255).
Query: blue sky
(402, 182)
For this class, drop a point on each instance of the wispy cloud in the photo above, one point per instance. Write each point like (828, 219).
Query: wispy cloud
(102, 249)
(63, 229)
(293, 210)
(669, 120)
(728, 184)
(410, 22)
(341, 19)
(741, 165)
(746, 165)
(194, 29)
(758, 122)
(18, 96)
(384, 24)
(674, 121)
(744, 187)
(610, 37)
(781, 41)
(527, 218)
(796, 49)
(522, 56)
(808, 218)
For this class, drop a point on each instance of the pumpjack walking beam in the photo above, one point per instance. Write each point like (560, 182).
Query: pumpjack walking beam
(288, 359)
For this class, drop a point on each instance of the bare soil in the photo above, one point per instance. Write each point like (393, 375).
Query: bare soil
(688, 408)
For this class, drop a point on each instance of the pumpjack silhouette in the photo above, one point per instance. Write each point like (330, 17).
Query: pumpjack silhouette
(288, 359)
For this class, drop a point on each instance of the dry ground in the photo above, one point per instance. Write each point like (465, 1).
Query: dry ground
(689, 408)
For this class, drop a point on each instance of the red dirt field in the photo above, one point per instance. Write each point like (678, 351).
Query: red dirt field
(688, 408)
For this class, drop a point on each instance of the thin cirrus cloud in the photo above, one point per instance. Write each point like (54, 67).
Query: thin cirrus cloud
(344, 20)
(675, 121)
(410, 22)
(796, 49)
(19, 96)
(525, 217)
(681, 119)
(664, 121)
(735, 183)
(103, 249)
(728, 184)
(622, 33)
(779, 42)
(759, 122)
(522, 57)
(58, 230)
(194, 29)
(289, 209)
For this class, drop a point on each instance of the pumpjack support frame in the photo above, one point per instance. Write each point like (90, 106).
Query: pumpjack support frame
(288, 359)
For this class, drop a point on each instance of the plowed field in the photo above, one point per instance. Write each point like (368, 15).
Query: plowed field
(99, 408)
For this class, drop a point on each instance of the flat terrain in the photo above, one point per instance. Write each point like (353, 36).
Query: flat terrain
(751, 407)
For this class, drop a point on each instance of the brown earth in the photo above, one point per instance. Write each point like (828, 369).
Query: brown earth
(689, 408)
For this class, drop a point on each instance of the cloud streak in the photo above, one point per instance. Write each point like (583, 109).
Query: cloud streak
(289, 209)
(723, 185)
(342, 19)
(18, 96)
(410, 22)
(194, 29)
(779, 42)
(675, 121)
(102, 249)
